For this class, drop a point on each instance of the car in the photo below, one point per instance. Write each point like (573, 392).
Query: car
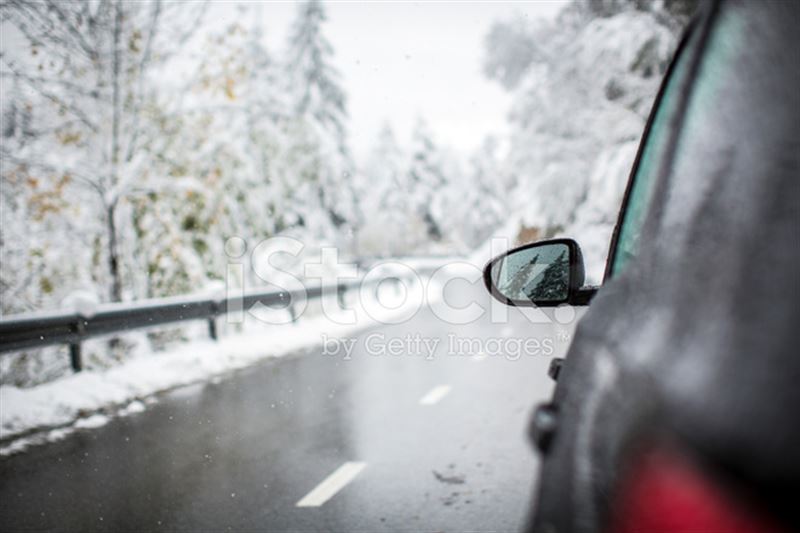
(676, 406)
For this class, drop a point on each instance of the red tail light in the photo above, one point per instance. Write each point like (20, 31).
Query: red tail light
(664, 493)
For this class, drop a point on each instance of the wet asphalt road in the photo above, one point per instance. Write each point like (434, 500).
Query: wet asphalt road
(238, 454)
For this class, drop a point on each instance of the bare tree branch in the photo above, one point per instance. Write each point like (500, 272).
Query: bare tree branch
(91, 182)
(140, 85)
(76, 34)
(26, 14)
(53, 98)
(184, 37)
(73, 87)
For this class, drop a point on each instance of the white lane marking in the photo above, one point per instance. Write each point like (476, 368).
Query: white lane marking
(478, 357)
(332, 484)
(435, 394)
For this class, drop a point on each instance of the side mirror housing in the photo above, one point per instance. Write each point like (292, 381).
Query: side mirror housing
(542, 274)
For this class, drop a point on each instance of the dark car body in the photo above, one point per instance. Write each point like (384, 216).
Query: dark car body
(683, 379)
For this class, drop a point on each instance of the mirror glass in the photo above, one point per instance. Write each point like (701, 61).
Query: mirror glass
(538, 273)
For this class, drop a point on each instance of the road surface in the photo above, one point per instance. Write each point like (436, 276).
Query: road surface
(311, 442)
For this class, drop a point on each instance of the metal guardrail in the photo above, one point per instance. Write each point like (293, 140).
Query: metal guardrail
(37, 330)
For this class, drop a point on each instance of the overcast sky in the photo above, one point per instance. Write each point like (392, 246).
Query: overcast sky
(403, 59)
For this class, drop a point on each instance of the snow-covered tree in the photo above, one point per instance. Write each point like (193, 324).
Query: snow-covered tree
(86, 70)
(233, 153)
(480, 201)
(384, 199)
(553, 284)
(312, 75)
(511, 48)
(319, 152)
(582, 87)
(426, 181)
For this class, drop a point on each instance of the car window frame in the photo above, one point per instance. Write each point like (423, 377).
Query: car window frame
(698, 28)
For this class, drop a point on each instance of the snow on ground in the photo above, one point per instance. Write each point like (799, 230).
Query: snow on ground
(87, 400)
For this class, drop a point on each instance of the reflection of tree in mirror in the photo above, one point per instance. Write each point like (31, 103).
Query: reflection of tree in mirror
(552, 285)
(517, 281)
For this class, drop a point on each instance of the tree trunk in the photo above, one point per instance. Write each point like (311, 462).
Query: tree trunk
(111, 206)
(113, 254)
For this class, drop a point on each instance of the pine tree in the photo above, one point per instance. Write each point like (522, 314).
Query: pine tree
(313, 77)
(426, 181)
(481, 205)
(318, 133)
(385, 201)
(553, 284)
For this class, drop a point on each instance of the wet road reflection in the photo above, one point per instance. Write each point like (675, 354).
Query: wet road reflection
(240, 453)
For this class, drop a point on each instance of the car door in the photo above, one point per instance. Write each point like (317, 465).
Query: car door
(652, 359)
(588, 383)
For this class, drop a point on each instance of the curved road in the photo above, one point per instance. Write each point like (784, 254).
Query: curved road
(427, 443)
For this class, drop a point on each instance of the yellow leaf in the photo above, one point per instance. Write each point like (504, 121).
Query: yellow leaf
(229, 83)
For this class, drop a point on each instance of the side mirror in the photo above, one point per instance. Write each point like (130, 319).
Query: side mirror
(542, 274)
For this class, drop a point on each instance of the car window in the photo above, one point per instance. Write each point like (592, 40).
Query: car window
(643, 182)
(701, 149)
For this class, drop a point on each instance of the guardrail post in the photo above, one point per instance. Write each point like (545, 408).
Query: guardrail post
(293, 313)
(212, 321)
(75, 357)
(212, 327)
(340, 295)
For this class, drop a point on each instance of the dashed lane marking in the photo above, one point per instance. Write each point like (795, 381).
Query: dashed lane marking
(435, 394)
(332, 484)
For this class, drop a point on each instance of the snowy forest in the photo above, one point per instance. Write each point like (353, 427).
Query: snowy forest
(137, 137)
